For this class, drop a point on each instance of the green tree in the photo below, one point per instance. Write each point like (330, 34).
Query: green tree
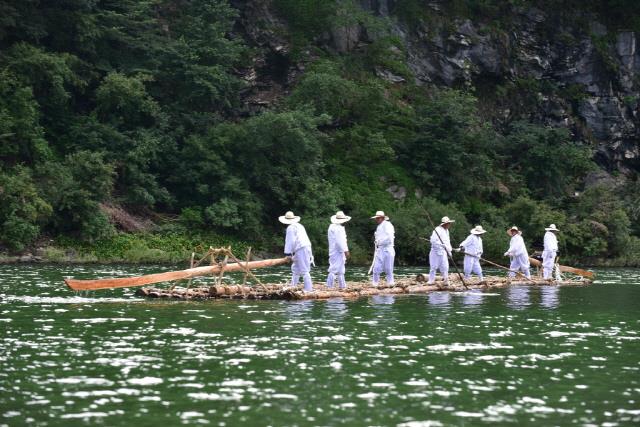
(550, 164)
(21, 136)
(604, 220)
(450, 153)
(74, 189)
(280, 156)
(22, 210)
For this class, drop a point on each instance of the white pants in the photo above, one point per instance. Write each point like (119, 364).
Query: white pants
(301, 266)
(520, 263)
(383, 262)
(548, 262)
(472, 265)
(438, 261)
(336, 270)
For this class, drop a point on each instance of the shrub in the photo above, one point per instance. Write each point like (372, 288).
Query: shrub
(22, 210)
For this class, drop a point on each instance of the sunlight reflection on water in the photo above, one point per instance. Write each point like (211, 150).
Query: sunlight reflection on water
(522, 355)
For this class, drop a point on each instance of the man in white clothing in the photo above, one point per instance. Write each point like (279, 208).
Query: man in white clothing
(550, 251)
(518, 253)
(298, 246)
(338, 250)
(385, 252)
(472, 246)
(440, 251)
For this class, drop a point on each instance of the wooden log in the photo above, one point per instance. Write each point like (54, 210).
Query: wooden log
(353, 290)
(126, 282)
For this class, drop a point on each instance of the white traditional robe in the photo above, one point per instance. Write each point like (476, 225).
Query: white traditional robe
(385, 252)
(519, 256)
(438, 256)
(472, 252)
(549, 254)
(337, 236)
(297, 244)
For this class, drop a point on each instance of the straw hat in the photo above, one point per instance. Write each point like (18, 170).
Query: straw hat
(446, 220)
(552, 227)
(478, 230)
(513, 228)
(339, 218)
(380, 214)
(289, 218)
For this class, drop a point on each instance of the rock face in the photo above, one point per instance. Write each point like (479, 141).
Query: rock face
(602, 78)
(585, 78)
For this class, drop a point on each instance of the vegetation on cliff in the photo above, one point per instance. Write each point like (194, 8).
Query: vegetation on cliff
(139, 104)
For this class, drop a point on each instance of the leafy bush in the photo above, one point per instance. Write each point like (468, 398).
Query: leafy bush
(328, 93)
(450, 155)
(21, 136)
(307, 17)
(549, 163)
(74, 189)
(173, 246)
(22, 210)
(608, 232)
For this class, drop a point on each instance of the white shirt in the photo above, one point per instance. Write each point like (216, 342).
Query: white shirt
(385, 234)
(337, 239)
(550, 241)
(296, 238)
(472, 245)
(517, 247)
(443, 242)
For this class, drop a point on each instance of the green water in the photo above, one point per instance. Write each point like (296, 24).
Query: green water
(521, 356)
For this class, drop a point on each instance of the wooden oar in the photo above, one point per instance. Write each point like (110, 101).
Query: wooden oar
(375, 252)
(566, 269)
(499, 266)
(126, 282)
(450, 255)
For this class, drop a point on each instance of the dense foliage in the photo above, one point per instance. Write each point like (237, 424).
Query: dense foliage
(138, 103)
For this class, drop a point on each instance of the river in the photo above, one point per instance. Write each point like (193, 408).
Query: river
(521, 356)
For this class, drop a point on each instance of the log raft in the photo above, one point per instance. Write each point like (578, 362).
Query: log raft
(403, 286)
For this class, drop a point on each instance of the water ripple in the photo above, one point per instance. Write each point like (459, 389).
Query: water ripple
(522, 356)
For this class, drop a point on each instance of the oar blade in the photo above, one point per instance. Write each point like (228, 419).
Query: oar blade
(578, 271)
(124, 282)
(565, 269)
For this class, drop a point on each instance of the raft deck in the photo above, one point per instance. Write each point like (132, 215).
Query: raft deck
(403, 285)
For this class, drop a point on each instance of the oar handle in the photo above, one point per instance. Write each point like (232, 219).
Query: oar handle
(449, 255)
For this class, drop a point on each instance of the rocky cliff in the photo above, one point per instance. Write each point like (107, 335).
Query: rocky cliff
(560, 69)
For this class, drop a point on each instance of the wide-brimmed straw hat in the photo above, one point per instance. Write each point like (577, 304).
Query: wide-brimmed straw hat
(339, 218)
(478, 230)
(289, 218)
(552, 227)
(446, 220)
(380, 214)
(514, 228)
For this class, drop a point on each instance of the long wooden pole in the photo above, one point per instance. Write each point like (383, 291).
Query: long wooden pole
(441, 241)
(498, 265)
(126, 282)
(375, 252)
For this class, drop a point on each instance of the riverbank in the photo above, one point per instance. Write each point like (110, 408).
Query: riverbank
(125, 248)
(175, 248)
